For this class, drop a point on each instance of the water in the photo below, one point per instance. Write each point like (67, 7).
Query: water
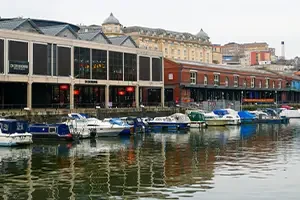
(247, 162)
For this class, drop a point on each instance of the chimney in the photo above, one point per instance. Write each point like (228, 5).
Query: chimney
(282, 51)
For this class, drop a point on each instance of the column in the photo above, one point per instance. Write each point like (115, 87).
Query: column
(29, 95)
(137, 96)
(71, 96)
(30, 57)
(162, 96)
(150, 68)
(107, 96)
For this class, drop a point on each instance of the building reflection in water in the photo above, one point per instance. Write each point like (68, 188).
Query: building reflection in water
(155, 165)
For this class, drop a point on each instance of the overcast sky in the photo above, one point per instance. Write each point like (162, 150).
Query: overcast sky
(224, 20)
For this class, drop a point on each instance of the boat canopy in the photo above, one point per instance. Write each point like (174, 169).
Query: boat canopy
(221, 112)
(196, 116)
(246, 115)
(181, 118)
(10, 126)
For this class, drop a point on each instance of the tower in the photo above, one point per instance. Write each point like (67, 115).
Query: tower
(282, 57)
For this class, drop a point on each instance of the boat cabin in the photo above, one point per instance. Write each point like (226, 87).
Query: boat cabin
(50, 130)
(10, 126)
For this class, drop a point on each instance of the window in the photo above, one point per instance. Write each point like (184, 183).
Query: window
(216, 79)
(40, 62)
(260, 84)
(279, 85)
(236, 81)
(245, 83)
(273, 84)
(52, 129)
(99, 64)
(267, 83)
(205, 80)
(144, 68)
(226, 82)
(184, 52)
(156, 69)
(82, 64)
(178, 51)
(1, 56)
(201, 55)
(172, 51)
(252, 82)
(193, 78)
(130, 67)
(170, 76)
(115, 65)
(63, 61)
(18, 57)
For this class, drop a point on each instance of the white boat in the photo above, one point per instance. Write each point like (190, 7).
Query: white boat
(79, 128)
(104, 128)
(212, 119)
(14, 133)
(230, 115)
(177, 120)
(289, 113)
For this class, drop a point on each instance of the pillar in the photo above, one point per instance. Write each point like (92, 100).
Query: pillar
(162, 96)
(29, 95)
(71, 96)
(107, 96)
(137, 96)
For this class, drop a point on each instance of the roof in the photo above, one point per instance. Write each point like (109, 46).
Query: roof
(159, 31)
(89, 36)
(15, 23)
(120, 40)
(202, 35)
(55, 30)
(226, 67)
(111, 20)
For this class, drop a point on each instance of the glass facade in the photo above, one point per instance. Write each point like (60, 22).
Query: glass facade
(18, 57)
(156, 69)
(1, 56)
(130, 67)
(99, 67)
(115, 66)
(89, 96)
(64, 61)
(144, 68)
(82, 65)
(40, 60)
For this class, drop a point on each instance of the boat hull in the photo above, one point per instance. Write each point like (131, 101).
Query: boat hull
(216, 122)
(197, 124)
(16, 139)
(106, 132)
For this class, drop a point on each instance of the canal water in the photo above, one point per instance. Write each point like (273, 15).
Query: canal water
(246, 162)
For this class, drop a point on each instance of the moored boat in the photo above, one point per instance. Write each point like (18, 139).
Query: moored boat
(50, 131)
(176, 121)
(197, 119)
(212, 119)
(14, 133)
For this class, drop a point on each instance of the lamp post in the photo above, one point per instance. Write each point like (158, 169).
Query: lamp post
(242, 92)
(276, 98)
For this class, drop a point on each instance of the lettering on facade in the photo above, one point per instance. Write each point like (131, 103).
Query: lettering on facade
(18, 67)
(91, 81)
(258, 100)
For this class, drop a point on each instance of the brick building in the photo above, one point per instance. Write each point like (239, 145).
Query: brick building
(192, 81)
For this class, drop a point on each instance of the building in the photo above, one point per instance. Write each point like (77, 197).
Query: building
(246, 54)
(173, 45)
(187, 81)
(217, 54)
(50, 64)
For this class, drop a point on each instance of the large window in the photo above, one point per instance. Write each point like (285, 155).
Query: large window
(130, 69)
(144, 68)
(216, 79)
(82, 67)
(115, 66)
(205, 80)
(99, 67)
(64, 61)
(226, 82)
(40, 60)
(252, 82)
(279, 84)
(18, 57)
(267, 83)
(156, 69)
(193, 77)
(260, 84)
(245, 83)
(236, 81)
(1, 56)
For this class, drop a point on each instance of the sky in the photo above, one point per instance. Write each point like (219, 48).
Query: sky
(241, 21)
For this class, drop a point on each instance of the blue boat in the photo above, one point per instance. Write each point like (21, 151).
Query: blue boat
(137, 123)
(50, 131)
(247, 117)
(177, 121)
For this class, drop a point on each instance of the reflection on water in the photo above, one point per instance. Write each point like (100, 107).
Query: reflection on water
(257, 161)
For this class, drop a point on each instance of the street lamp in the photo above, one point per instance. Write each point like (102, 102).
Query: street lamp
(276, 98)
(242, 92)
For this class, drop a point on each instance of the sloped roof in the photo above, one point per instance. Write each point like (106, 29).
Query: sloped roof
(111, 20)
(15, 23)
(120, 40)
(55, 30)
(89, 36)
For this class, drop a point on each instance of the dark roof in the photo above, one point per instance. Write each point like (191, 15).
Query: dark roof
(55, 30)
(15, 23)
(111, 20)
(120, 40)
(89, 36)
(43, 22)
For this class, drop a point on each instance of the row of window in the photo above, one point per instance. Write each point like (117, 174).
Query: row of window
(50, 59)
(193, 80)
